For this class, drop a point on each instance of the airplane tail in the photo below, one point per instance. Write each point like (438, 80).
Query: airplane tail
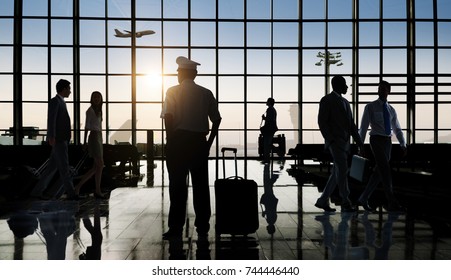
(118, 32)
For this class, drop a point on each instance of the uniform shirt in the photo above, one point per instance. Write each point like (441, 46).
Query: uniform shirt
(93, 122)
(373, 115)
(191, 106)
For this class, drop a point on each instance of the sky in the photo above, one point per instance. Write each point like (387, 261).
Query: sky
(155, 74)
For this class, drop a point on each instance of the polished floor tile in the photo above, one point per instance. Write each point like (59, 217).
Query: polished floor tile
(129, 225)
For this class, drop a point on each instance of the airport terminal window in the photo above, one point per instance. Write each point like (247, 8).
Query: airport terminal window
(179, 28)
(119, 88)
(119, 61)
(286, 9)
(34, 59)
(175, 9)
(34, 31)
(6, 57)
(231, 89)
(258, 88)
(92, 8)
(34, 8)
(285, 34)
(148, 8)
(313, 9)
(6, 28)
(285, 89)
(231, 61)
(88, 84)
(259, 62)
(231, 34)
(92, 32)
(203, 9)
(61, 8)
(208, 58)
(92, 60)
(258, 9)
(258, 34)
(203, 34)
(231, 9)
(251, 51)
(62, 60)
(34, 87)
(62, 31)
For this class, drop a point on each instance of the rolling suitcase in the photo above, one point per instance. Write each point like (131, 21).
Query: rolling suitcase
(236, 203)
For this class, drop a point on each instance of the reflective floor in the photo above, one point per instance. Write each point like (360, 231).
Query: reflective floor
(129, 225)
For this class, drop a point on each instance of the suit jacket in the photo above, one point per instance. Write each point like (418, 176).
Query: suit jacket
(336, 123)
(58, 120)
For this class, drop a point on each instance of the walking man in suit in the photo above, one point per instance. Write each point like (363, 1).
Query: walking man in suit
(383, 118)
(58, 136)
(188, 110)
(337, 125)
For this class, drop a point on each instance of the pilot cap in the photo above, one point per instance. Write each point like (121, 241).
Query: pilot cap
(185, 63)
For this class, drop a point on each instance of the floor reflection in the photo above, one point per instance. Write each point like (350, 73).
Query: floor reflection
(129, 225)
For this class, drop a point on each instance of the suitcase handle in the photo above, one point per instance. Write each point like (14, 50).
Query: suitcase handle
(234, 150)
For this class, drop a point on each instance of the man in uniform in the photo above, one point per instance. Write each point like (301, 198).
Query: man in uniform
(187, 110)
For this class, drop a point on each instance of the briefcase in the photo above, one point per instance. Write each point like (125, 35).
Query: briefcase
(360, 168)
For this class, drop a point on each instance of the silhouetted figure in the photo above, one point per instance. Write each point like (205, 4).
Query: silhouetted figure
(187, 110)
(268, 199)
(337, 125)
(93, 252)
(94, 144)
(382, 118)
(58, 136)
(380, 250)
(337, 241)
(268, 129)
(56, 227)
(176, 251)
(23, 224)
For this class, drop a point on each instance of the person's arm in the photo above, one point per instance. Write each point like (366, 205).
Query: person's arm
(398, 132)
(213, 132)
(51, 120)
(169, 124)
(323, 120)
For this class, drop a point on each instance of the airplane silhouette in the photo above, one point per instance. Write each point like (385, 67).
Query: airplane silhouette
(128, 34)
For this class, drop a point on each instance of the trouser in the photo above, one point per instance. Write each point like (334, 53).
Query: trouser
(59, 160)
(338, 176)
(381, 148)
(267, 145)
(187, 152)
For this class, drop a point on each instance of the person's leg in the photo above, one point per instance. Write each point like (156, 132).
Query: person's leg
(62, 161)
(341, 172)
(98, 165)
(178, 189)
(201, 190)
(267, 145)
(46, 176)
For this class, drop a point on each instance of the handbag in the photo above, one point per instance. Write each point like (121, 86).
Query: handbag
(360, 169)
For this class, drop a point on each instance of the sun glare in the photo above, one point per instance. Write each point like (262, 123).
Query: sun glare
(154, 79)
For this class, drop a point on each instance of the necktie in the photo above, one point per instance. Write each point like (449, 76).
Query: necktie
(387, 119)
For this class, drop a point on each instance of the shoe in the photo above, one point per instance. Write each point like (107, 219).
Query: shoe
(366, 206)
(171, 234)
(99, 196)
(347, 208)
(326, 207)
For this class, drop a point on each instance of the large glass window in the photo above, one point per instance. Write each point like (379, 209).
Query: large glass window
(249, 50)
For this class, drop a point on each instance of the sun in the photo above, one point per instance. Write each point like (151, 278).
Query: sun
(153, 79)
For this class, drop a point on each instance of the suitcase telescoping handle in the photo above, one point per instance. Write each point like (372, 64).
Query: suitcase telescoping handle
(223, 150)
